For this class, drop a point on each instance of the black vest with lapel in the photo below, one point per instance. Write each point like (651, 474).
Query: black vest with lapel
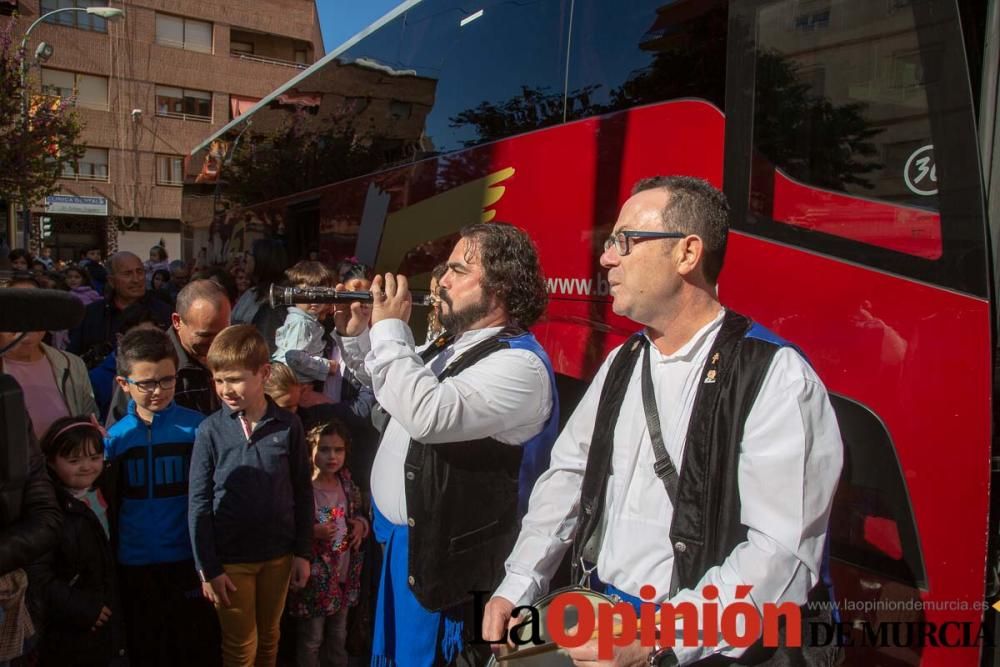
(706, 525)
(462, 503)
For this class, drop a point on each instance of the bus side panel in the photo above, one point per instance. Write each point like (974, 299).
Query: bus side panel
(568, 185)
(918, 357)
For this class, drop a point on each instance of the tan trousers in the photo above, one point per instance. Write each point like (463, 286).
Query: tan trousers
(251, 623)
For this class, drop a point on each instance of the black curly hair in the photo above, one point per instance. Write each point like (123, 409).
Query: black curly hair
(511, 270)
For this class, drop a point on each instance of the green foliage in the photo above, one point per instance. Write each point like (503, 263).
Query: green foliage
(302, 154)
(533, 109)
(811, 138)
(32, 155)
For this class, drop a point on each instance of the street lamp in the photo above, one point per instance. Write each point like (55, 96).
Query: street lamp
(107, 13)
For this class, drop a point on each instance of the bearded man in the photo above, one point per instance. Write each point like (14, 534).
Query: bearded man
(472, 418)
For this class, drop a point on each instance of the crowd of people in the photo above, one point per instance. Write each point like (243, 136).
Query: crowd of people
(117, 405)
(234, 483)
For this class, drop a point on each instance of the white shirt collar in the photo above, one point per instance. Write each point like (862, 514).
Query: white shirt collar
(695, 345)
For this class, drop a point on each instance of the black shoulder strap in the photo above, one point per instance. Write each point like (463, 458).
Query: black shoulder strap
(663, 465)
(595, 476)
(435, 348)
(470, 356)
(380, 418)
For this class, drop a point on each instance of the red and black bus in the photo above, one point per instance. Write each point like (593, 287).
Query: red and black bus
(855, 142)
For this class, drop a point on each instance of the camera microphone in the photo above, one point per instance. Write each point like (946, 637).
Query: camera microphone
(38, 310)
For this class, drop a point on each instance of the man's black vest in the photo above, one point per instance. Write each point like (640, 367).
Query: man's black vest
(461, 498)
(706, 523)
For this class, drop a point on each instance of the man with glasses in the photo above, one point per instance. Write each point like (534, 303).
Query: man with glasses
(94, 339)
(704, 454)
(150, 452)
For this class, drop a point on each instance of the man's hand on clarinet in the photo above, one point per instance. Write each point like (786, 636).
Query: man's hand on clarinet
(391, 298)
(351, 318)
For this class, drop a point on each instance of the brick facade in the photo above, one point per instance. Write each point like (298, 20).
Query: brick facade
(134, 63)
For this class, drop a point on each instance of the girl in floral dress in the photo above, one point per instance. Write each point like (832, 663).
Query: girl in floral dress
(320, 609)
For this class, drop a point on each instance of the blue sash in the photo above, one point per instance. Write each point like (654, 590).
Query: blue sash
(406, 634)
(610, 590)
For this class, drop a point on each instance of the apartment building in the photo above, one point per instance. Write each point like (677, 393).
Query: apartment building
(148, 88)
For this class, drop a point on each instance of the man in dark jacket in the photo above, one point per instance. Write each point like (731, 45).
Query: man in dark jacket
(95, 337)
(201, 312)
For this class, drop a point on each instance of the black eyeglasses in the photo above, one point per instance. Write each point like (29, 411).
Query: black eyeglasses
(623, 240)
(149, 386)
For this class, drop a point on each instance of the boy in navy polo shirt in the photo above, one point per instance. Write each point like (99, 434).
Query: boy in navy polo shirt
(168, 620)
(251, 503)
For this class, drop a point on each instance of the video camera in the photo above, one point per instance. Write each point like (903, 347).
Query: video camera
(21, 311)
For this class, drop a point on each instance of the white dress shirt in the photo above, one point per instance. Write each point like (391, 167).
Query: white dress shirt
(788, 470)
(506, 396)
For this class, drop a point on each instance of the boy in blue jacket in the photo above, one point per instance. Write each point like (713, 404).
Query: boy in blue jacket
(169, 622)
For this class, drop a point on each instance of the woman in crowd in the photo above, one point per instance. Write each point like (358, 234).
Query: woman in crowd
(267, 263)
(242, 280)
(55, 383)
(78, 281)
(161, 278)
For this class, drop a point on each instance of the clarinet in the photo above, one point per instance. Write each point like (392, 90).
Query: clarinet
(286, 296)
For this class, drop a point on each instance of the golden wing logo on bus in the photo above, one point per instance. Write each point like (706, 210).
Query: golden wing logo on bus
(437, 219)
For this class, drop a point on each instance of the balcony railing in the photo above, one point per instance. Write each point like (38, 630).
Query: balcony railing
(85, 177)
(187, 46)
(269, 61)
(74, 101)
(184, 116)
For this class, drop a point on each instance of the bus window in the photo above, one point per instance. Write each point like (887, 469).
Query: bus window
(626, 54)
(862, 135)
(841, 107)
(498, 68)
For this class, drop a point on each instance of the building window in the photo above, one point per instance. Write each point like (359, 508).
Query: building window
(93, 166)
(399, 110)
(353, 104)
(86, 90)
(301, 57)
(80, 20)
(182, 33)
(169, 170)
(812, 15)
(183, 104)
(241, 48)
